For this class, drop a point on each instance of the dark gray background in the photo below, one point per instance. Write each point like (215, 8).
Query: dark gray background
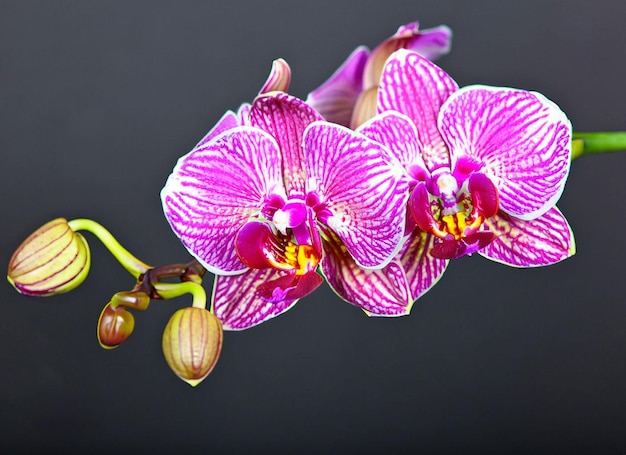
(98, 100)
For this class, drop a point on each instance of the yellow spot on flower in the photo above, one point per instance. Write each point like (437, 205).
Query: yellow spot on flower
(302, 258)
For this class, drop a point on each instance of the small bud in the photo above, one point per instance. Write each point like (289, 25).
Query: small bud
(279, 78)
(115, 325)
(52, 260)
(192, 342)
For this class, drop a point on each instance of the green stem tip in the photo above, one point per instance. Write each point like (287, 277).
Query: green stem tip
(601, 142)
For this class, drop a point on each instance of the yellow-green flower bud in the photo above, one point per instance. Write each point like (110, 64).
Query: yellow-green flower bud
(52, 260)
(192, 342)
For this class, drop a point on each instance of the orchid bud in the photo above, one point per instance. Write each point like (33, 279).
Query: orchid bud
(52, 260)
(115, 325)
(279, 78)
(192, 342)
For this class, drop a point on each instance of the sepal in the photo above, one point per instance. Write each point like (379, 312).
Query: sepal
(530, 243)
(238, 302)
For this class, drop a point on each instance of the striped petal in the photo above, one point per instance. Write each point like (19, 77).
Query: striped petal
(422, 270)
(382, 292)
(362, 186)
(398, 133)
(285, 118)
(522, 138)
(543, 241)
(414, 86)
(335, 98)
(216, 188)
(238, 304)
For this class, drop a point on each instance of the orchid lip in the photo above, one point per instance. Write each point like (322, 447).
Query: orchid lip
(455, 213)
(259, 247)
(289, 287)
(450, 248)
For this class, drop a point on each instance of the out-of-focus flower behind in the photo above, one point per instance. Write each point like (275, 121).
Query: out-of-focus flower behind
(348, 97)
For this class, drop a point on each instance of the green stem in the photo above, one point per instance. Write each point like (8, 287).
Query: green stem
(171, 290)
(133, 265)
(592, 143)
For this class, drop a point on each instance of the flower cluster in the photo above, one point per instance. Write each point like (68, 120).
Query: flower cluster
(376, 181)
(384, 174)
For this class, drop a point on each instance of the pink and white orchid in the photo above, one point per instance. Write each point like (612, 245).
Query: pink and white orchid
(259, 196)
(495, 162)
(348, 97)
(487, 166)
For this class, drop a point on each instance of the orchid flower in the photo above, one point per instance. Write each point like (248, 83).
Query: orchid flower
(495, 162)
(348, 97)
(255, 206)
(487, 166)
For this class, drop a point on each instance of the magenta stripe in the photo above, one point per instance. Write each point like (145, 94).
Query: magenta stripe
(36, 252)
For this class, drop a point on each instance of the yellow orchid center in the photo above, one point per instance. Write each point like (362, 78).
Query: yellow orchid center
(301, 258)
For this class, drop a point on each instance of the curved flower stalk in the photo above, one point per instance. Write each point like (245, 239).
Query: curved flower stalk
(56, 257)
(348, 97)
(251, 204)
